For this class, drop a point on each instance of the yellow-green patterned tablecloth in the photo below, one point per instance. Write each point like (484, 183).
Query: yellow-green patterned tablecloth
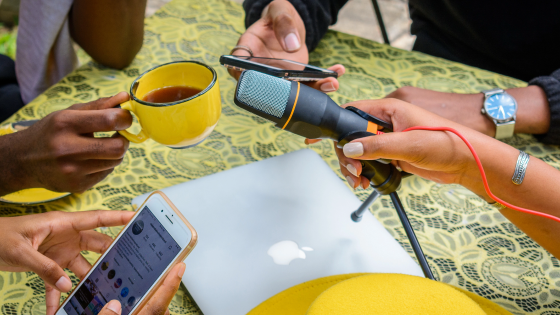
(468, 243)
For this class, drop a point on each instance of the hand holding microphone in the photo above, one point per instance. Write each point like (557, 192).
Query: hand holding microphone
(312, 114)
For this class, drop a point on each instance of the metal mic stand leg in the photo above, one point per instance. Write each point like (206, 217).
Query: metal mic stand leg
(412, 236)
(357, 215)
(385, 180)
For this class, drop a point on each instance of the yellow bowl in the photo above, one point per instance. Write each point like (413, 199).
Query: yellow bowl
(376, 294)
(32, 196)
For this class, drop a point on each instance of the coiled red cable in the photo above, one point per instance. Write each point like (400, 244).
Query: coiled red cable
(483, 174)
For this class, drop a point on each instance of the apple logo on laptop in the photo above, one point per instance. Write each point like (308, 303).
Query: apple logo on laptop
(284, 252)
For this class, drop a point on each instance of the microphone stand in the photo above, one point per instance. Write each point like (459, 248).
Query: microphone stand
(390, 190)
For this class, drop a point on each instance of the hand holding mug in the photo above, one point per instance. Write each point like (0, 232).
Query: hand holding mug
(60, 152)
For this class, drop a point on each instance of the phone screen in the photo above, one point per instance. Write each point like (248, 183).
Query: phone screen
(129, 269)
(282, 64)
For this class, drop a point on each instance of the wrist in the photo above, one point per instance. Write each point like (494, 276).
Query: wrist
(12, 171)
(533, 113)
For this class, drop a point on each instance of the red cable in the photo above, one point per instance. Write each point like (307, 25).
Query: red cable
(483, 174)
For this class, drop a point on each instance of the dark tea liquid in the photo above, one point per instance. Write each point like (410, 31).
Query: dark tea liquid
(170, 94)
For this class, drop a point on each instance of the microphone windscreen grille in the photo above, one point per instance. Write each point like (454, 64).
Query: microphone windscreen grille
(264, 92)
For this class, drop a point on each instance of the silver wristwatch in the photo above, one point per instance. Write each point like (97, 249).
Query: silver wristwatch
(501, 108)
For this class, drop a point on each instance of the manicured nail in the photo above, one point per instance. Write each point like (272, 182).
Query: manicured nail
(327, 87)
(354, 149)
(63, 284)
(292, 42)
(350, 181)
(181, 271)
(365, 186)
(114, 306)
(352, 170)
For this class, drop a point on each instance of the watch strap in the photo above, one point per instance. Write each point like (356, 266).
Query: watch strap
(504, 130)
(490, 92)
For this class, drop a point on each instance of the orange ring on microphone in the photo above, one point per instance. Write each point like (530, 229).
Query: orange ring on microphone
(293, 108)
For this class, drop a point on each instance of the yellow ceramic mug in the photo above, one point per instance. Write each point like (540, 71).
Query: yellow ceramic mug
(179, 124)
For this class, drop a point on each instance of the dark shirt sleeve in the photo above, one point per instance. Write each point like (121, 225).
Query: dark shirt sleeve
(317, 15)
(551, 86)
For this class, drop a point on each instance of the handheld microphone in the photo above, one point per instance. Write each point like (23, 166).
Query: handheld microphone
(313, 114)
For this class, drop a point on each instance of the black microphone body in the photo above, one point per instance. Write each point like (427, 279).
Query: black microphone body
(314, 115)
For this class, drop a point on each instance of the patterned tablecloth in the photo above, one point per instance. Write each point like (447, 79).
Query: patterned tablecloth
(468, 243)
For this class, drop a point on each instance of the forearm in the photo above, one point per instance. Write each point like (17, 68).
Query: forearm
(110, 31)
(539, 190)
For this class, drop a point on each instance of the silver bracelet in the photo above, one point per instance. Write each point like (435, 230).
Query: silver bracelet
(520, 168)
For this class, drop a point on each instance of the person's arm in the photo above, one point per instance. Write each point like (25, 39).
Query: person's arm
(538, 107)
(110, 31)
(60, 152)
(444, 158)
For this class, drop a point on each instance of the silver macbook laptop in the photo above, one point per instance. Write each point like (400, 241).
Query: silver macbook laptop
(270, 225)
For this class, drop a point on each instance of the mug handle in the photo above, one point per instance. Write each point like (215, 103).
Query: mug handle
(141, 136)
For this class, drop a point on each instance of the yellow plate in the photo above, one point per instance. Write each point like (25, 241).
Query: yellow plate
(32, 195)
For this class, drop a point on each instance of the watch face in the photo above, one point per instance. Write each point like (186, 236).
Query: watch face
(500, 106)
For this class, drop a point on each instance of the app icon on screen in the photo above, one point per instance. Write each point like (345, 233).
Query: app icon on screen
(131, 301)
(111, 274)
(105, 265)
(138, 227)
(118, 283)
(124, 292)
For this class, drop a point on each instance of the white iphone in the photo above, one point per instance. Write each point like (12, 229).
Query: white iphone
(137, 261)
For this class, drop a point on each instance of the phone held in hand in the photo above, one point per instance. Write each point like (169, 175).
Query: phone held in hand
(137, 261)
(282, 68)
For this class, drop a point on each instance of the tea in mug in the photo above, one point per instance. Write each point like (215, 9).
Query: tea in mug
(170, 94)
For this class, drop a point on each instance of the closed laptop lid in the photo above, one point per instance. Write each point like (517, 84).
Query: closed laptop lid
(270, 225)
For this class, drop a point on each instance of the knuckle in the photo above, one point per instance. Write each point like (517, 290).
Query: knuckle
(68, 169)
(112, 120)
(48, 268)
(60, 120)
(119, 147)
(283, 19)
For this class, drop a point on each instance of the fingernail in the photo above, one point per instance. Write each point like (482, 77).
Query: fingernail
(350, 181)
(352, 170)
(291, 41)
(327, 87)
(114, 306)
(354, 149)
(63, 284)
(365, 186)
(181, 271)
(398, 168)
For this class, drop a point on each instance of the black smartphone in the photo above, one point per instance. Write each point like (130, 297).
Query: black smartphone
(282, 68)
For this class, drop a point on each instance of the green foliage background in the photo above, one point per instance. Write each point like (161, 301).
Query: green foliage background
(8, 41)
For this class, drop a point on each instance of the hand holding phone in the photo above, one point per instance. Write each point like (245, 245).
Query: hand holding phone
(158, 304)
(157, 238)
(48, 242)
